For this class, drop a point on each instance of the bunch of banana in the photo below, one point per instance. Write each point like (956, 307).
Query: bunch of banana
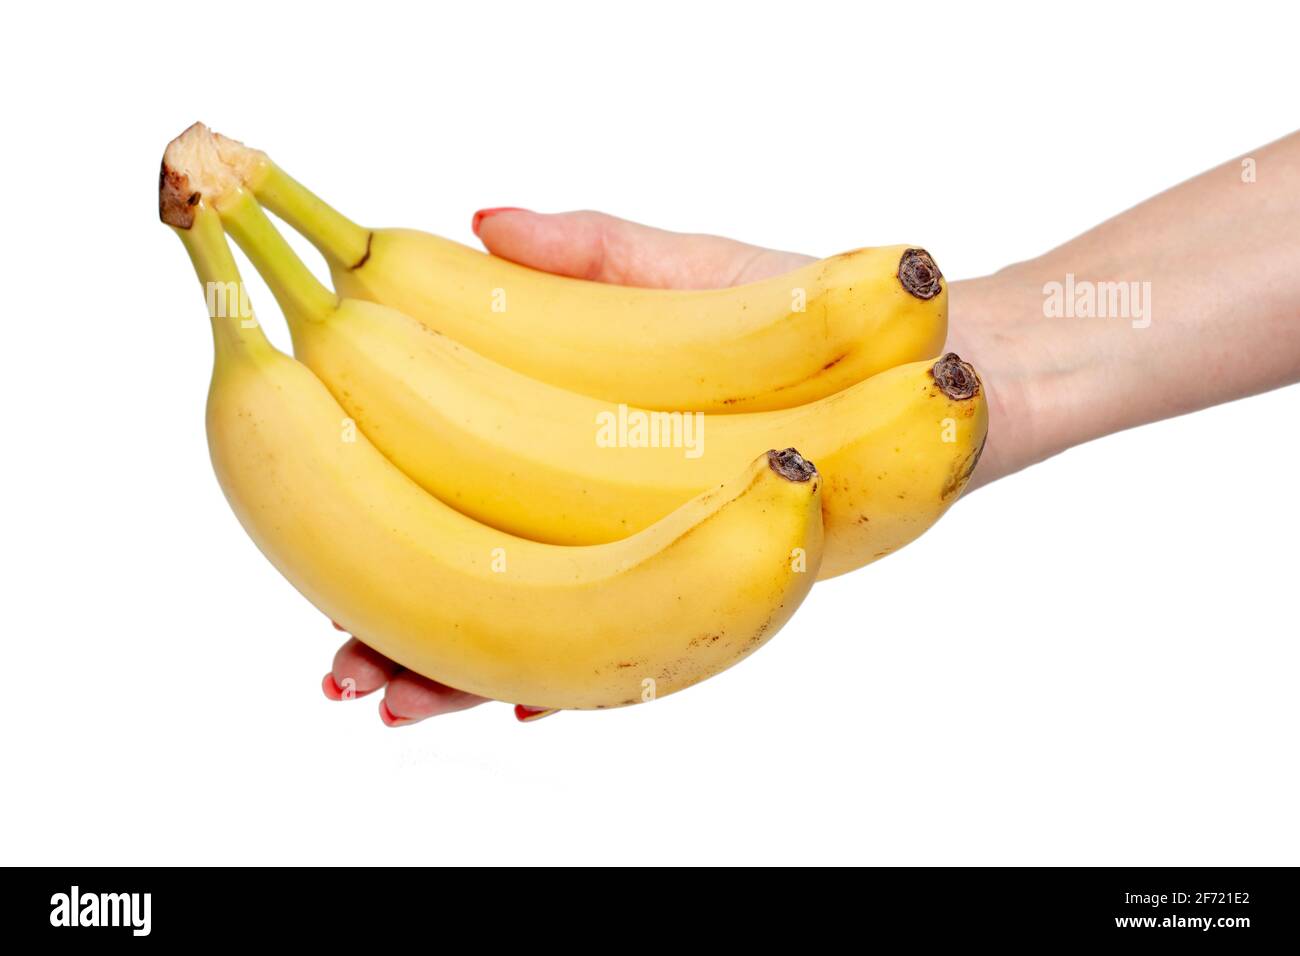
(481, 524)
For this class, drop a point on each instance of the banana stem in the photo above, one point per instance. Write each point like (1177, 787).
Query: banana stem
(339, 239)
(235, 329)
(300, 294)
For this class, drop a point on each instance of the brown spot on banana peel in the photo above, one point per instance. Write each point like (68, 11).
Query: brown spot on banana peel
(370, 238)
(704, 639)
(755, 639)
(975, 460)
(961, 474)
(919, 275)
(789, 385)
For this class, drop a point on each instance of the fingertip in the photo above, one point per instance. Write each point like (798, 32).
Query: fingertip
(347, 690)
(361, 667)
(492, 211)
(331, 688)
(564, 243)
(526, 715)
(389, 718)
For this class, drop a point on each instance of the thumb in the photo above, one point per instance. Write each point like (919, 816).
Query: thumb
(592, 245)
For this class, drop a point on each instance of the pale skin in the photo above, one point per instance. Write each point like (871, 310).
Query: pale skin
(1221, 253)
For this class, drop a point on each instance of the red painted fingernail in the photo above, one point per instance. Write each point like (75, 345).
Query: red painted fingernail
(484, 213)
(339, 627)
(526, 715)
(345, 691)
(390, 718)
(331, 688)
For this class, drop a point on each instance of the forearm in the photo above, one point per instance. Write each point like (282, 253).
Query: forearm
(1206, 278)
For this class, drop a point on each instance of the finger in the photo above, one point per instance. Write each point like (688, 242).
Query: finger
(526, 715)
(592, 245)
(358, 670)
(411, 698)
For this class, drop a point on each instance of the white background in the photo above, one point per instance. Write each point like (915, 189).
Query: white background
(1108, 676)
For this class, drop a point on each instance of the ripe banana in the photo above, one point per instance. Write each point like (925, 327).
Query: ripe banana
(551, 465)
(462, 603)
(777, 343)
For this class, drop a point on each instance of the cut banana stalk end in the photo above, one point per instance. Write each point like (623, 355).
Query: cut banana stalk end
(221, 166)
(200, 164)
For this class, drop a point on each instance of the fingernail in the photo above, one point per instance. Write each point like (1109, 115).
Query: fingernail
(526, 715)
(390, 718)
(484, 213)
(339, 627)
(346, 691)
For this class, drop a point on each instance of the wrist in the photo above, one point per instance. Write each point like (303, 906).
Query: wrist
(1036, 371)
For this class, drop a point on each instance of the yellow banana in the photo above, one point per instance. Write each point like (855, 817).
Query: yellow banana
(551, 465)
(481, 610)
(777, 343)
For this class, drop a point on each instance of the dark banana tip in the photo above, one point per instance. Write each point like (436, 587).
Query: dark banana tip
(955, 378)
(919, 275)
(791, 465)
